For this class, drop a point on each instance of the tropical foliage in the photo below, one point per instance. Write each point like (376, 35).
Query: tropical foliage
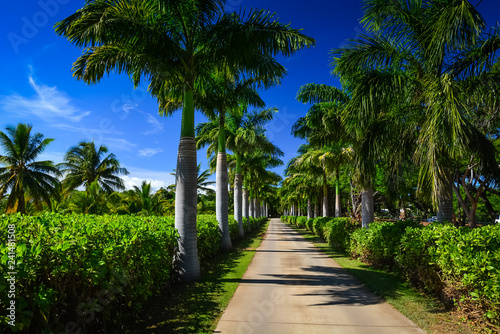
(26, 179)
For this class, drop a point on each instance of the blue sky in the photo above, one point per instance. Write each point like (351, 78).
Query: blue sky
(37, 86)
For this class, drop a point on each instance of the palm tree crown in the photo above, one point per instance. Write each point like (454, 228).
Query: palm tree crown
(85, 164)
(23, 175)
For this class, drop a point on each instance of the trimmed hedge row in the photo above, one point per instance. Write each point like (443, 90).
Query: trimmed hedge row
(459, 265)
(85, 268)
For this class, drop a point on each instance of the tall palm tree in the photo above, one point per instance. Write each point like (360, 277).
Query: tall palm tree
(177, 46)
(413, 68)
(223, 97)
(22, 174)
(243, 132)
(85, 164)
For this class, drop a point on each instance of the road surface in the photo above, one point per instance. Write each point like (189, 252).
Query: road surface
(292, 287)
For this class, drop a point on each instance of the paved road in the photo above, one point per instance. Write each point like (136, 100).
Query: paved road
(291, 287)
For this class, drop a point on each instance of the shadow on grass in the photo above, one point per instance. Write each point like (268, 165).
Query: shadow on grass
(193, 308)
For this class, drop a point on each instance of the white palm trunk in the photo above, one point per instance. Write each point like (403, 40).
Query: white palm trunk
(445, 202)
(309, 209)
(367, 209)
(246, 207)
(187, 262)
(252, 207)
(238, 216)
(338, 212)
(325, 205)
(221, 201)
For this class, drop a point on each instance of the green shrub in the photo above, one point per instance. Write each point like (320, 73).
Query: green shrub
(337, 232)
(318, 226)
(309, 224)
(65, 263)
(208, 236)
(459, 263)
(233, 229)
(301, 221)
(380, 243)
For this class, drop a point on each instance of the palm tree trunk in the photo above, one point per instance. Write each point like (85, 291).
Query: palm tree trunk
(238, 216)
(221, 191)
(338, 212)
(325, 197)
(367, 210)
(186, 261)
(252, 207)
(309, 209)
(245, 205)
(316, 209)
(445, 200)
(221, 201)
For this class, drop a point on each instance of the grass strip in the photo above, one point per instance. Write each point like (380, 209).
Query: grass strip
(426, 312)
(197, 307)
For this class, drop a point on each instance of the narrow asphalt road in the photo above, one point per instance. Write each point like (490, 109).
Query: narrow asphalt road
(292, 287)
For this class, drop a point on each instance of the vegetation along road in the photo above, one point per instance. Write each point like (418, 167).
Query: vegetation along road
(292, 287)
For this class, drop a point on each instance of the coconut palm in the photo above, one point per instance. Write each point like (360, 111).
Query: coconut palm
(413, 68)
(22, 174)
(85, 164)
(176, 46)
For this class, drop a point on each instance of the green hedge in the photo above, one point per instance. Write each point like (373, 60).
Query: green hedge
(84, 268)
(461, 263)
(65, 263)
(338, 231)
(380, 243)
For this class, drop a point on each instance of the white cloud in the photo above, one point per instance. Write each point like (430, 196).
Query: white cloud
(156, 125)
(149, 152)
(118, 143)
(157, 179)
(48, 102)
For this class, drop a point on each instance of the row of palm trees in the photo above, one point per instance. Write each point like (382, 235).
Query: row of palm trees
(194, 54)
(419, 92)
(28, 185)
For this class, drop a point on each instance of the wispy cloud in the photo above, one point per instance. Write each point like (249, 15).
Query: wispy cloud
(149, 152)
(155, 125)
(48, 102)
(119, 143)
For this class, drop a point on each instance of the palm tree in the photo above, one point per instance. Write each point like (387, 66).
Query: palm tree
(23, 175)
(84, 164)
(177, 46)
(243, 132)
(415, 68)
(223, 97)
(91, 201)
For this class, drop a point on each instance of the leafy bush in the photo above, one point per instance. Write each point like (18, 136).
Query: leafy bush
(301, 221)
(380, 243)
(309, 224)
(319, 224)
(208, 236)
(66, 264)
(337, 232)
(459, 263)
(233, 229)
